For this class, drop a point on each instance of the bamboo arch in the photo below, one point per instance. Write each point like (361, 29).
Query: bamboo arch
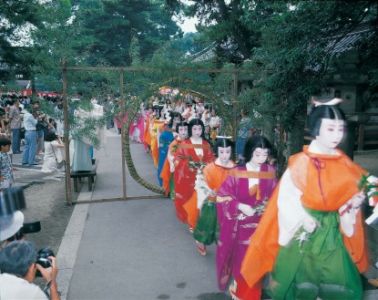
(130, 163)
(126, 152)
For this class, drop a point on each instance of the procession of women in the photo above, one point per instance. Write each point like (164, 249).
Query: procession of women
(300, 236)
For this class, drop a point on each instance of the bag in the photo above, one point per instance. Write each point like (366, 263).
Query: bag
(206, 230)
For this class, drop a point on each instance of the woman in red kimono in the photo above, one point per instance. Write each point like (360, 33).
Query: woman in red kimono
(192, 155)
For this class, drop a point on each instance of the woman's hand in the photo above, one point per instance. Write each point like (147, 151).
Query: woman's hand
(221, 199)
(246, 209)
(309, 224)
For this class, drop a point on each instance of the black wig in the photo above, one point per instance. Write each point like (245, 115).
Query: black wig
(194, 122)
(223, 143)
(257, 141)
(181, 124)
(318, 113)
(174, 114)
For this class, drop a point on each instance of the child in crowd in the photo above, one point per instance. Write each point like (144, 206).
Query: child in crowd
(6, 169)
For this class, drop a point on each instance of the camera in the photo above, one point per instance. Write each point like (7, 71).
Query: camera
(43, 259)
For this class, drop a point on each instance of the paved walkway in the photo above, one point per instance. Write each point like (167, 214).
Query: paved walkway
(134, 249)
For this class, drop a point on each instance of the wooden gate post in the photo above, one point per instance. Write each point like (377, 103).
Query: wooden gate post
(66, 137)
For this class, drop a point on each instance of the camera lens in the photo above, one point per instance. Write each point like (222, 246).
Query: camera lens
(44, 262)
(43, 257)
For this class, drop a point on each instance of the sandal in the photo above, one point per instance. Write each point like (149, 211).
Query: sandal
(201, 248)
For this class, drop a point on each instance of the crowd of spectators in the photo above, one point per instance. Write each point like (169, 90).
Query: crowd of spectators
(23, 128)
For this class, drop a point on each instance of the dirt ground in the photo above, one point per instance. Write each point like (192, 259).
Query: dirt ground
(45, 202)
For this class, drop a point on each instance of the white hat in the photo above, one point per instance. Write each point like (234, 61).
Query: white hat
(10, 225)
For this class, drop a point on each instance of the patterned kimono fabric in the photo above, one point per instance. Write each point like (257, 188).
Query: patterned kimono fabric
(132, 128)
(214, 176)
(120, 119)
(325, 264)
(146, 134)
(165, 139)
(140, 125)
(237, 228)
(136, 129)
(185, 176)
(155, 133)
(165, 174)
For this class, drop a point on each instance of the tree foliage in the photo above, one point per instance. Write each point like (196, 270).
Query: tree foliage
(289, 46)
(16, 19)
(114, 25)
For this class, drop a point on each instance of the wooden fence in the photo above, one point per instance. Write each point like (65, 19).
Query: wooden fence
(367, 131)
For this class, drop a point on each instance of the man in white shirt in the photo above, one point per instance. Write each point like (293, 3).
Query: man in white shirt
(18, 267)
(30, 123)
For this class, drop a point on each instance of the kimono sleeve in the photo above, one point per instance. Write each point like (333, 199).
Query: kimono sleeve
(229, 188)
(208, 154)
(291, 213)
(179, 156)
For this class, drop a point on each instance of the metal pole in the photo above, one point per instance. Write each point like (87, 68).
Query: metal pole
(66, 136)
(123, 133)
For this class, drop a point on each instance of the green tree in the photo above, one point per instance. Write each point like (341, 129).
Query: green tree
(297, 43)
(16, 19)
(289, 48)
(114, 25)
(223, 23)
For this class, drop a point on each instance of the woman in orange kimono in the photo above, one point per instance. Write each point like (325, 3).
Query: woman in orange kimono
(207, 185)
(155, 126)
(193, 154)
(146, 134)
(169, 167)
(311, 236)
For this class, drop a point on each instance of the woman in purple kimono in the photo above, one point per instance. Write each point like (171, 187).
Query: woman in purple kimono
(241, 201)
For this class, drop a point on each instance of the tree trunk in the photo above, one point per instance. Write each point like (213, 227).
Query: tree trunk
(296, 135)
(268, 129)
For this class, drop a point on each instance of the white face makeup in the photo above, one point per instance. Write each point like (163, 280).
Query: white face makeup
(331, 133)
(224, 155)
(259, 156)
(183, 132)
(196, 131)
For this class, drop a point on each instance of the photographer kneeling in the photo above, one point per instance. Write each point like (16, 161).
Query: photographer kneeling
(18, 270)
